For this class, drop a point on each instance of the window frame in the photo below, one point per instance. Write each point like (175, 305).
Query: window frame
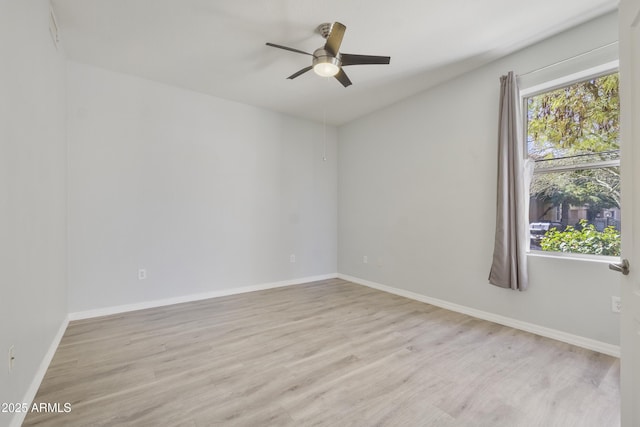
(549, 86)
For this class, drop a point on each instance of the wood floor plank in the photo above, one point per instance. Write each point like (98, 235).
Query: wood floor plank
(321, 354)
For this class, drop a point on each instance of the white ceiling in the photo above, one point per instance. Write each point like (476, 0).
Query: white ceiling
(218, 47)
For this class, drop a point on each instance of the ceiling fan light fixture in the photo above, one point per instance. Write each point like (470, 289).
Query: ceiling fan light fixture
(326, 69)
(324, 64)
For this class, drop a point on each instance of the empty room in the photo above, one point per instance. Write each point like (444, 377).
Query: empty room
(337, 213)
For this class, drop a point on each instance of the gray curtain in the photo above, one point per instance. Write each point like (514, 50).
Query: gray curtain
(509, 267)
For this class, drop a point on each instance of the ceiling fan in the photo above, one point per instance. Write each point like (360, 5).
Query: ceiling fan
(328, 61)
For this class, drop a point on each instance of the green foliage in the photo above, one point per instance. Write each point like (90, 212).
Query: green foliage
(581, 118)
(584, 239)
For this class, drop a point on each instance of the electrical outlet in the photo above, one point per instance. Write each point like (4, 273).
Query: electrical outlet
(365, 259)
(292, 258)
(616, 304)
(12, 357)
(142, 274)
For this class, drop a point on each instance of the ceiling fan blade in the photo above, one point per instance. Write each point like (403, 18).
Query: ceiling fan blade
(342, 78)
(335, 38)
(348, 59)
(304, 70)
(288, 48)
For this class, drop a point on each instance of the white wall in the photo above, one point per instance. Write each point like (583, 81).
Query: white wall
(33, 300)
(417, 196)
(204, 193)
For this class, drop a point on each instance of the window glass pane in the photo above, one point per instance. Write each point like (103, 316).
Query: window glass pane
(576, 211)
(573, 137)
(579, 119)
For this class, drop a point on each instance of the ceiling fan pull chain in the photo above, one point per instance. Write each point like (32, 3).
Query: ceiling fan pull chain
(324, 122)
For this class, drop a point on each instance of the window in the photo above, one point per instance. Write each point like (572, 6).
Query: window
(573, 138)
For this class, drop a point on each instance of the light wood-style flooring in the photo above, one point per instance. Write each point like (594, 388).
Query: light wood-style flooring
(329, 353)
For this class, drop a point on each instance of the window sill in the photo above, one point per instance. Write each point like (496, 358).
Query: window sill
(574, 257)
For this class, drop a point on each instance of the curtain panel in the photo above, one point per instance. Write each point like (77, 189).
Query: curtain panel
(509, 265)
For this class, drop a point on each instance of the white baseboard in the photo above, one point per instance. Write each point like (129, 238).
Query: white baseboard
(19, 417)
(106, 311)
(588, 343)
